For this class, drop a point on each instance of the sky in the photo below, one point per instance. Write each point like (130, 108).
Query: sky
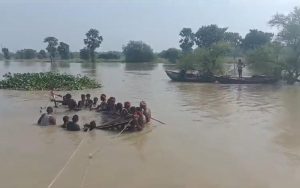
(25, 23)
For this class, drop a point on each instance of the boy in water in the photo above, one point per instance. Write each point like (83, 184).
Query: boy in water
(82, 103)
(90, 126)
(146, 111)
(73, 126)
(89, 101)
(66, 121)
(103, 104)
(47, 118)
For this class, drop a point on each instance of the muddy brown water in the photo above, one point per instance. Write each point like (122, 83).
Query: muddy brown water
(217, 136)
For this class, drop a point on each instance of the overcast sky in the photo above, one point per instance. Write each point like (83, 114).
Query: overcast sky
(25, 23)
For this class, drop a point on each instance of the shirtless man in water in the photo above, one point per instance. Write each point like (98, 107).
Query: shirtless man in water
(146, 111)
(47, 118)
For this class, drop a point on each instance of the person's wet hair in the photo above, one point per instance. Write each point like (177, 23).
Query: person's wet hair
(139, 109)
(127, 104)
(95, 100)
(66, 119)
(119, 106)
(68, 96)
(102, 97)
(49, 110)
(88, 95)
(75, 118)
(132, 109)
(83, 96)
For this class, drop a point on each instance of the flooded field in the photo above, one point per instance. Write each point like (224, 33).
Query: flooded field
(216, 136)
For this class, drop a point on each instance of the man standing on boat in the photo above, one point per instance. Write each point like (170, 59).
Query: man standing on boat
(240, 66)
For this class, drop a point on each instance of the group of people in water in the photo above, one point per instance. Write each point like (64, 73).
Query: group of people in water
(136, 117)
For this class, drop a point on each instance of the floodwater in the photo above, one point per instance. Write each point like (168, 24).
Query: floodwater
(216, 136)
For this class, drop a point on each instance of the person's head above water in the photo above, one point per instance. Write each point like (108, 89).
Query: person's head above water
(75, 118)
(127, 105)
(132, 110)
(143, 104)
(95, 100)
(88, 96)
(66, 119)
(82, 97)
(49, 110)
(103, 97)
(68, 96)
(119, 106)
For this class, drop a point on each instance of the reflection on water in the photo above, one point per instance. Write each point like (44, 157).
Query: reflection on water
(216, 135)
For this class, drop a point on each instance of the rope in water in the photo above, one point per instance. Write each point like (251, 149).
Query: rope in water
(67, 163)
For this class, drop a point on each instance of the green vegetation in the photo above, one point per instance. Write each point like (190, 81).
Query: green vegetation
(255, 39)
(171, 54)
(138, 51)
(110, 55)
(208, 61)
(187, 40)
(26, 54)
(51, 48)
(46, 81)
(92, 42)
(6, 53)
(64, 50)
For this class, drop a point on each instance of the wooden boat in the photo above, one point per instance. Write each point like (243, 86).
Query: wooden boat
(116, 126)
(256, 79)
(189, 77)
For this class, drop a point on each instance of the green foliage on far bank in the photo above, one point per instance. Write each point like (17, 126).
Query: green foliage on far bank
(47, 81)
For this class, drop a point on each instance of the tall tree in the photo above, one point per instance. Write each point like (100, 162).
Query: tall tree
(5, 52)
(171, 54)
(64, 50)
(51, 48)
(255, 39)
(186, 40)
(42, 54)
(138, 51)
(235, 41)
(210, 35)
(93, 41)
(289, 36)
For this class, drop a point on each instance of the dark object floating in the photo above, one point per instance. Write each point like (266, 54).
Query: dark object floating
(256, 79)
(190, 77)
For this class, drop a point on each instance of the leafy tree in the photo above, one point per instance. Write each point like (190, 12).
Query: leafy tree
(6, 53)
(138, 51)
(235, 41)
(25, 54)
(255, 39)
(171, 54)
(42, 54)
(186, 41)
(110, 55)
(92, 41)
(289, 37)
(63, 50)
(84, 54)
(51, 48)
(208, 36)
(208, 61)
(266, 60)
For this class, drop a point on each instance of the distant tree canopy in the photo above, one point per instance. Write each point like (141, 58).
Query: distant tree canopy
(6, 53)
(92, 42)
(171, 54)
(63, 50)
(289, 38)
(207, 36)
(208, 61)
(138, 51)
(51, 48)
(110, 55)
(84, 54)
(42, 54)
(255, 39)
(26, 54)
(187, 39)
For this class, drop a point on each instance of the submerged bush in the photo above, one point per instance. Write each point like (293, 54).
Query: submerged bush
(46, 81)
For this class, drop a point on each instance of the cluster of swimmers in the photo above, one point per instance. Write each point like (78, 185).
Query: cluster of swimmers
(137, 117)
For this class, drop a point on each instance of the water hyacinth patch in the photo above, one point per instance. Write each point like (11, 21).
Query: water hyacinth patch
(47, 81)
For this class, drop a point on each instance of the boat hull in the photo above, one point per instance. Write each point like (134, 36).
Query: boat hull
(176, 76)
(246, 80)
